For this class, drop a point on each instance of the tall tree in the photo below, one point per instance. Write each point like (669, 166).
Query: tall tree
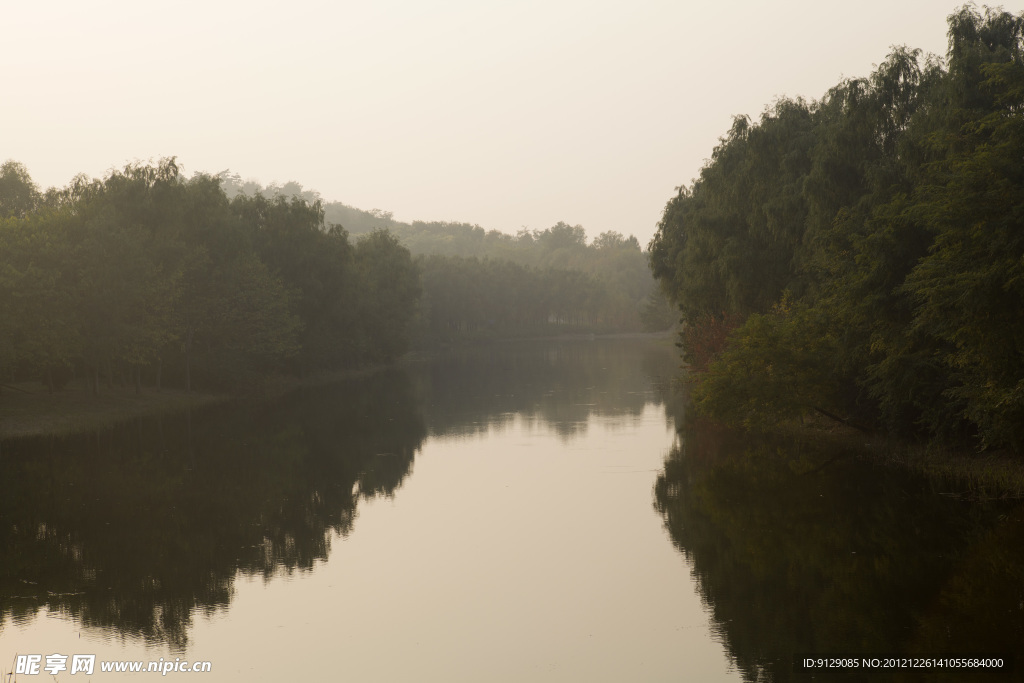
(19, 196)
(883, 252)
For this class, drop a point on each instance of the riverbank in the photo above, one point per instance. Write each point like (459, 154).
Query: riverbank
(957, 472)
(29, 410)
(467, 340)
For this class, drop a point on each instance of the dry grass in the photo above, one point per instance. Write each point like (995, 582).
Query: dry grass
(74, 408)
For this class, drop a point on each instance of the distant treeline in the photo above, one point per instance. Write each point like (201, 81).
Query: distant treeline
(145, 273)
(469, 297)
(621, 294)
(863, 255)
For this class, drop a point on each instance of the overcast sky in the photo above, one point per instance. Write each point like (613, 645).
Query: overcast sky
(506, 114)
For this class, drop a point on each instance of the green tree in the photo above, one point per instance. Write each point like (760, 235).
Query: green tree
(19, 196)
(37, 300)
(891, 210)
(969, 289)
(389, 289)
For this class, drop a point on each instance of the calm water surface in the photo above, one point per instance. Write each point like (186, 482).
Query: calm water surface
(527, 512)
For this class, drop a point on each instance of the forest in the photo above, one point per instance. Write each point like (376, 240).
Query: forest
(149, 277)
(862, 255)
(148, 274)
(481, 283)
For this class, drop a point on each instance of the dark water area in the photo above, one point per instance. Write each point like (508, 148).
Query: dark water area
(136, 528)
(801, 552)
(527, 511)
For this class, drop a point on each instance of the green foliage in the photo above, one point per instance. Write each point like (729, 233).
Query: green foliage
(968, 290)
(656, 313)
(728, 243)
(775, 366)
(389, 290)
(893, 209)
(19, 196)
(255, 321)
(37, 302)
(704, 339)
(114, 276)
(615, 263)
(482, 298)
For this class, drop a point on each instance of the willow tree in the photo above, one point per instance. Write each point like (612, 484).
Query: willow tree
(899, 285)
(19, 195)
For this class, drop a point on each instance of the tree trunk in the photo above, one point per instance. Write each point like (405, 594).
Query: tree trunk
(159, 369)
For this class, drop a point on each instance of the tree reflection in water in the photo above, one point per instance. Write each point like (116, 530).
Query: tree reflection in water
(136, 528)
(559, 384)
(796, 551)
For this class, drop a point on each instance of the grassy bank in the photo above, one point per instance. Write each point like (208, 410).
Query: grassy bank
(957, 472)
(28, 410)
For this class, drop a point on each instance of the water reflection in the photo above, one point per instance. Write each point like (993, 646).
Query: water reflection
(138, 529)
(559, 384)
(799, 552)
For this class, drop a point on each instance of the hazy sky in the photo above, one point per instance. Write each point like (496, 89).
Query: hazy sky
(506, 114)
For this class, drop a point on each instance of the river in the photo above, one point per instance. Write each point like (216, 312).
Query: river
(534, 511)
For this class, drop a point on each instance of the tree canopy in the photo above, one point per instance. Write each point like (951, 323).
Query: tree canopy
(866, 249)
(146, 271)
(612, 262)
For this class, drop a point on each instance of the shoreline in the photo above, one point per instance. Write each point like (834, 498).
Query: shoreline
(75, 410)
(28, 410)
(469, 340)
(997, 475)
